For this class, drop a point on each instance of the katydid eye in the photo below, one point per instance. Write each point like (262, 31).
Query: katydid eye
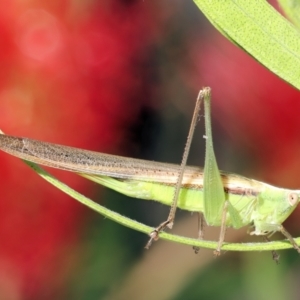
(293, 199)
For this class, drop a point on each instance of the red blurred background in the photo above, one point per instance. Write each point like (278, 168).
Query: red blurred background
(93, 74)
(71, 73)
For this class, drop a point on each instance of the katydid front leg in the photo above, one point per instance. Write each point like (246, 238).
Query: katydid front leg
(201, 225)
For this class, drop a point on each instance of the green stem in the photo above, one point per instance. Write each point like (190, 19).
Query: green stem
(278, 245)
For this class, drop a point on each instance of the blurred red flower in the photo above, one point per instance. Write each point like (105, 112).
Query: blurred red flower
(66, 76)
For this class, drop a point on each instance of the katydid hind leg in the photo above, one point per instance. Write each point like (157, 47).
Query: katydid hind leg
(215, 206)
(289, 237)
(154, 235)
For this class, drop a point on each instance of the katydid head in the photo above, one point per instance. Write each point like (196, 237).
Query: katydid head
(273, 208)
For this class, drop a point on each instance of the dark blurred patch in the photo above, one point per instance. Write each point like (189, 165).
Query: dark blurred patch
(144, 133)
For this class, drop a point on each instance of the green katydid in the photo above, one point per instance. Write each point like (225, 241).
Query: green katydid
(225, 200)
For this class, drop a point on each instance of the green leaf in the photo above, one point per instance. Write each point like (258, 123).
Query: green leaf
(261, 31)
